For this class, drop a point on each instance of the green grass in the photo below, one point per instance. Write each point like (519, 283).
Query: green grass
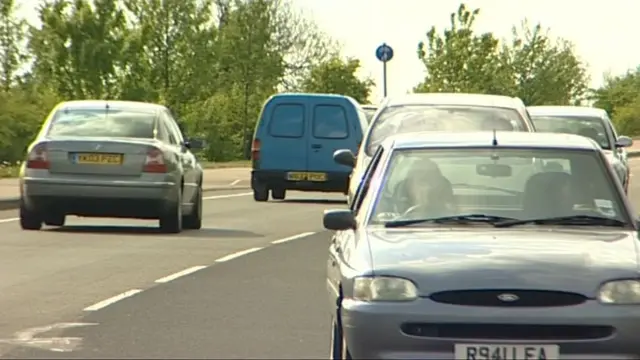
(13, 171)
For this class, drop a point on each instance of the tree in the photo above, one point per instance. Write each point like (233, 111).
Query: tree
(531, 65)
(459, 60)
(620, 97)
(545, 72)
(336, 76)
(12, 36)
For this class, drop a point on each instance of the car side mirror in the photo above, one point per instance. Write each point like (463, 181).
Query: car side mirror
(344, 157)
(194, 144)
(342, 219)
(624, 141)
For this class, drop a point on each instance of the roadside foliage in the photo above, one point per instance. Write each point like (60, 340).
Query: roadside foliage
(215, 62)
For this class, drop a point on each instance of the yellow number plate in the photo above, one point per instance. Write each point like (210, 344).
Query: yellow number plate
(296, 176)
(317, 176)
(103, 159)
(301, 176)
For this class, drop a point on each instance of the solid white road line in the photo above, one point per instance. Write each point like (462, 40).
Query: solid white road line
(179, 274)
(8, 220)
(291, 238)
(112, 300)
(238, 254)
(235, 182)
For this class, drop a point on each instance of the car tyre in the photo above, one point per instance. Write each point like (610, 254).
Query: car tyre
(55, 220)
(29, 220)
(278, 193)
(193, 221)
(339, 350)
(260, 192)
(171, 221)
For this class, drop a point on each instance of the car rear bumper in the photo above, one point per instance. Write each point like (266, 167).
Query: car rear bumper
(127, 199)
(336, 181)
(424, 329)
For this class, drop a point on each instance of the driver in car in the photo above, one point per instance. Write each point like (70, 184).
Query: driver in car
(427, 193)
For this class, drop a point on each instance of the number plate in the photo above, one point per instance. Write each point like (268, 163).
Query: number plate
(296, 176)
(302, 176)
(506, 352)
(317, 176)
(103, 159)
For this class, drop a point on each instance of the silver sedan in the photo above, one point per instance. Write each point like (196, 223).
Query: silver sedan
(111, 159)
(474, 252)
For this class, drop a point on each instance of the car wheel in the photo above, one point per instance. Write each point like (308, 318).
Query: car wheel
(193, 221)
(55, 220)
(29, 220)
(171, 221)
(278, 194)
(260, 192)
(338, 345)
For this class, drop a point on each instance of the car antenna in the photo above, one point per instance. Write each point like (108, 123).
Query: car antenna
(495, 139)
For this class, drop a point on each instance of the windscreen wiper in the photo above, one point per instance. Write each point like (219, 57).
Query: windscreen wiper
(457, 219)
(580, 220)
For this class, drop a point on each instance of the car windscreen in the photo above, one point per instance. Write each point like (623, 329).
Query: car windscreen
(414, 118)
(369, 113)
(589, 126)
(102, 123)
(507, 182)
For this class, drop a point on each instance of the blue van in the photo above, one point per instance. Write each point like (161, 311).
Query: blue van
(294, 142)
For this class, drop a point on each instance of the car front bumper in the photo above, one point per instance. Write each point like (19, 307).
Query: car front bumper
(424, 329)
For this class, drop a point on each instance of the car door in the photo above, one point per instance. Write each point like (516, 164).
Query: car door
(340, 240)
(330, 131)
(185, 156)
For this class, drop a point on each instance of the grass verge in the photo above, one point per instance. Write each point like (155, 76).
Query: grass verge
(13, 171)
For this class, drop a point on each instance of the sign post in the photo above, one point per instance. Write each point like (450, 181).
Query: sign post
(384, 53)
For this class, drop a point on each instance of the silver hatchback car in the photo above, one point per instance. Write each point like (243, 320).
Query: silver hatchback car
(116, 159)
(471, 251)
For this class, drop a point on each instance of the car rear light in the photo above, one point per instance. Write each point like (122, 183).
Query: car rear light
(38, 157)
(255, 150)
(154, 163)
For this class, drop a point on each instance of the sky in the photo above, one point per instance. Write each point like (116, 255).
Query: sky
(604, 32)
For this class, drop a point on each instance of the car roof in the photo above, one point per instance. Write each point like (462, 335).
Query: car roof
(565, 111)
(433, 139)
(455, 99)
(306, 96)
(117, 104)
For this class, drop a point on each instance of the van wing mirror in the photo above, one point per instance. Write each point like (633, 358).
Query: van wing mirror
(344, 157)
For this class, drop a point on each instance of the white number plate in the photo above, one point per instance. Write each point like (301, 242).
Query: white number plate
(506, 352)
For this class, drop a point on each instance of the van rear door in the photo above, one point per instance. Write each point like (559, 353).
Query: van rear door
(330, 130)
(286, 143)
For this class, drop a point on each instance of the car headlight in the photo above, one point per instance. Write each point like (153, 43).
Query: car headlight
(620, 292)
(384, 288)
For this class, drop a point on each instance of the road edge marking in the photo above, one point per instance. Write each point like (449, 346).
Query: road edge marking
(226, 196)
(238, 254)
(112, 300)
(294, 237)
(179, 274)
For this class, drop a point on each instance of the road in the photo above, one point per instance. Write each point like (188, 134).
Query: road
(266, 301)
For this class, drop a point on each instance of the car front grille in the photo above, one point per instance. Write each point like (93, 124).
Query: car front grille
(479, 331)
(508, 298)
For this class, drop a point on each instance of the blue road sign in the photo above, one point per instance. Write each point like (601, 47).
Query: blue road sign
(384, 53)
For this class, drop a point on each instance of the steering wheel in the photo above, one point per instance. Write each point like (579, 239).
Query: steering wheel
(411, 210)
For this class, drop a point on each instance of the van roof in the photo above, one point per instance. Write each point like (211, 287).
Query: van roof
(305, 96)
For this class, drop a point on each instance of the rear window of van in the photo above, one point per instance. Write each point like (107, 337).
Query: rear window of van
(287, 120)
(330, 122)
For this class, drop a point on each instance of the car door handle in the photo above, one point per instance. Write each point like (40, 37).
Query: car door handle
(316, 146)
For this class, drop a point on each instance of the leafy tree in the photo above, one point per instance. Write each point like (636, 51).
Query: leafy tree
(545, 72)
(12, 37)
(531, 66)
(457, 60)
(337, 76)
(620, 97)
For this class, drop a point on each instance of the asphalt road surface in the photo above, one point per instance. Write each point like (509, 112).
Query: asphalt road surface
(252, 284)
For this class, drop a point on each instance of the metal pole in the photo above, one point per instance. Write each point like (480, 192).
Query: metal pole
(384, 78)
